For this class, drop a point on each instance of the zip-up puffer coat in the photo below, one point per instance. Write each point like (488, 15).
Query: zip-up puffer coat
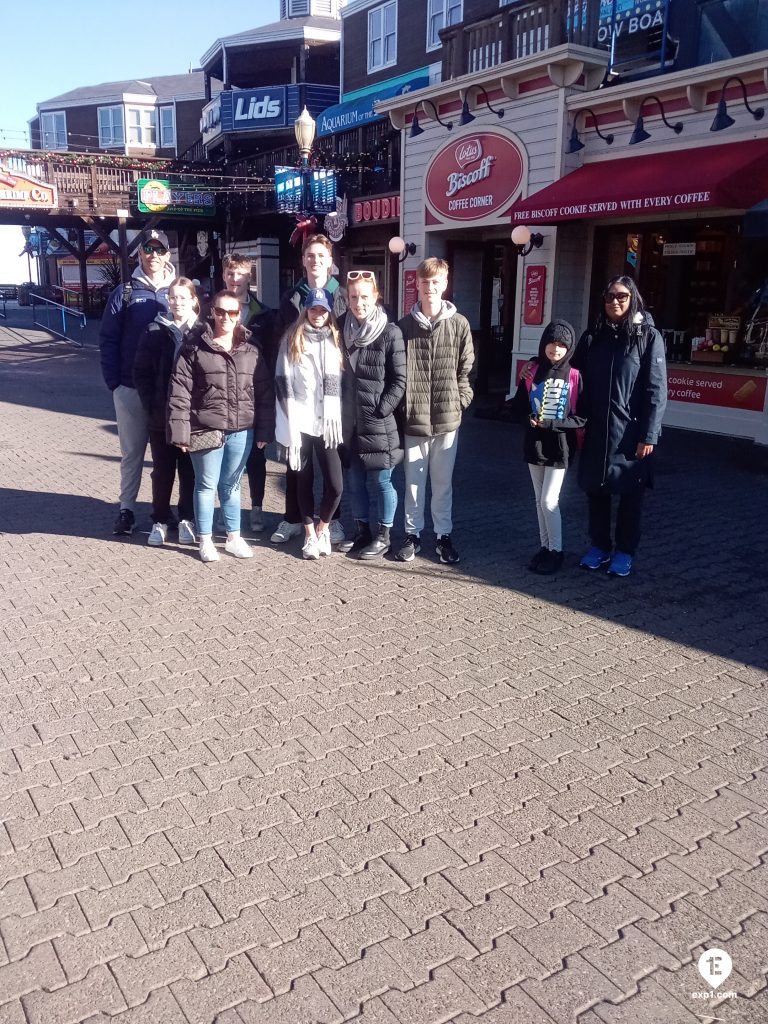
(122, 325)
(155, 356)
(624, 372)
(370, 394)
(438, 364)
(216, 390)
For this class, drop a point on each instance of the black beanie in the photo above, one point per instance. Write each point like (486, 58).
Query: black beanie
(556, 330)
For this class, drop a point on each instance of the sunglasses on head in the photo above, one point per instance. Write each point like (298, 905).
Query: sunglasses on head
(617, 296)
(233, 314)
(361, 275)
(148, 248)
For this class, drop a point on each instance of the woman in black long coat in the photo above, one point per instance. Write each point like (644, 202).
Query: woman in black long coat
(373, 384)
(624, 371)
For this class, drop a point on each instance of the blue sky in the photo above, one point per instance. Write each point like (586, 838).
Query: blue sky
(52, 56)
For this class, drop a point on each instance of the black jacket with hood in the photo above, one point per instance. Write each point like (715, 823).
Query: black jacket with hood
(549, 401)
(156, 353)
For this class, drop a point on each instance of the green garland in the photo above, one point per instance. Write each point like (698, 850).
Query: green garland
(130, 163)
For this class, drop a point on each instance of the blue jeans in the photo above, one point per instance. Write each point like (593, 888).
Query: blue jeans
(380, 481)
(221, 470)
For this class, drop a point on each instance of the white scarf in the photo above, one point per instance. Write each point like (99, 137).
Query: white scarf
(325, 358)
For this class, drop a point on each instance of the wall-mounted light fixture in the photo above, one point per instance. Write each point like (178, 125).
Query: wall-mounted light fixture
(640, 134)
(722, 118)
(575, 143)
(524, 241)
(400, 248)
(416, 128)
(466, 117)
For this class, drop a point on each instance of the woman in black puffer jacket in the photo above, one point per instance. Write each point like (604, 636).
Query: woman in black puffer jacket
(221, 385)
(372, 386)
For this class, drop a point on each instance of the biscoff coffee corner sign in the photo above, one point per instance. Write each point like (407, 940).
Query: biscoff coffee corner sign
(475, 177)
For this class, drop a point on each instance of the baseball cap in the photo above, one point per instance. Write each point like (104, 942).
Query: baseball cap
(318, 297)
(156, 236)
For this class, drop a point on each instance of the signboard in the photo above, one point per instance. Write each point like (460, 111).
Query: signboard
(410, 290)
(156, 195)
(727, 390)
(679, 249)
(475, 178)
(246, 110)
(633, 31)
(383, 208)
(289, 190)
(359, 111)
(18, 191)
(535, 289)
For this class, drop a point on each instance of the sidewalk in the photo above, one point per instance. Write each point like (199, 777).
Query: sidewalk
(280, 791)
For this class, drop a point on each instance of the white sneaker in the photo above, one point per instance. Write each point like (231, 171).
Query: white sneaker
(311, 548)
(257, 519)
(187, 532)
(208, 552)
(337, 531)
(157, 537)
(285, 531)
(238, 547)
(324, 543)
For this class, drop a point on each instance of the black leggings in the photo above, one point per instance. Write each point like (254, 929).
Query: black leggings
(167, 461)
(256, 468)
(292, 513)
(333, 480)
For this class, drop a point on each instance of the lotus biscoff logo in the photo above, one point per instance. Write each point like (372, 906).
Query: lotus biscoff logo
(468, 151)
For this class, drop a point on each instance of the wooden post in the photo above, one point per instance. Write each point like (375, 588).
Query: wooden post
(123, 239)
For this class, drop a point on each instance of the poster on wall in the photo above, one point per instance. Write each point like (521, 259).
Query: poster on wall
(410, 290)
(535, 289)
(726, 390)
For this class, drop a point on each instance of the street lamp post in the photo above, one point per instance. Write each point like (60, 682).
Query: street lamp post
(304, 129)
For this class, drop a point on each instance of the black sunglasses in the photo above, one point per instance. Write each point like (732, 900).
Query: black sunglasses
(233, 314)
(148, 248)
(617, 296)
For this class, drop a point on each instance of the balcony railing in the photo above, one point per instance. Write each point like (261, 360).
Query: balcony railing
(516, 32)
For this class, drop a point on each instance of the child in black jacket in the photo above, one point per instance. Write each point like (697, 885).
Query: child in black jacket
(546, 401)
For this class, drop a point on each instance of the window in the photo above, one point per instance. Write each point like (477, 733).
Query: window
(441, 14)
(382, 36)
(142, 126)
(167, 128)
(53, 130)
(111, 131)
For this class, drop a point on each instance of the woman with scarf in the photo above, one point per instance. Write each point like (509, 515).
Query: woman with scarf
(308, 414)
(546, 402)
(156, 353)
(624, 369)
(373, 385)
(220, 402)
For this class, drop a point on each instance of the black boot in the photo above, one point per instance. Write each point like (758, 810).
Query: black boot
(361, 538)
(552, 562)
(379, 545)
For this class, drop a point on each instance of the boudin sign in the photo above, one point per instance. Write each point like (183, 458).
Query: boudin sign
(475, 177)
(20, 191)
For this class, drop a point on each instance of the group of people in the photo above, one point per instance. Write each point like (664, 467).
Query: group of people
(339, 384)
(329, 376)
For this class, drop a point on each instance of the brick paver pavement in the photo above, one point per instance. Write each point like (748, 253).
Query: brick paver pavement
(274, 791)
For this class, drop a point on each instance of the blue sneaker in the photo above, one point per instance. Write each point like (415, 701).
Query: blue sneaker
(595, 558)
(621, 564)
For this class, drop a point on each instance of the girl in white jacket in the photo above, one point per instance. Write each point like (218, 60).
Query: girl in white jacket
(308, 413)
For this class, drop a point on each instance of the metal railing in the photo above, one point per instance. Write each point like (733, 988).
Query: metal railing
(3, 313)
(55, 312)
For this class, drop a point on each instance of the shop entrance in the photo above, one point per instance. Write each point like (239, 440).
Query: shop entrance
(482, 285)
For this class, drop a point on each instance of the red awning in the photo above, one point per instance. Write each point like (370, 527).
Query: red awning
(728, 176)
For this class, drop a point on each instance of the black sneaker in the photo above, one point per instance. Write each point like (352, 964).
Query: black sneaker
(125, 523)
(448, 553)
(550, 563)
(537, 559)
(410, 549)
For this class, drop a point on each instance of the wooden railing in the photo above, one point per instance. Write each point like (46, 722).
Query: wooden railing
(516, 32)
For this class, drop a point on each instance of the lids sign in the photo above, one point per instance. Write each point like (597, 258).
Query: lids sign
(475, 178)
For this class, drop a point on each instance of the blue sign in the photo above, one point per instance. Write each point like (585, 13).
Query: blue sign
(289, 190)
(246, 110)
(354, 113)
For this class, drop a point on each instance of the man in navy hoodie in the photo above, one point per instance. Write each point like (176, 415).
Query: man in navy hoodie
(130, 309)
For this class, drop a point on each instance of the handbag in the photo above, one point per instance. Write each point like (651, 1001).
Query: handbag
(205, 440)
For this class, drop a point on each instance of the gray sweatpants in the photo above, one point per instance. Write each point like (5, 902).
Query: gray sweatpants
(133, 432)
(432, 457)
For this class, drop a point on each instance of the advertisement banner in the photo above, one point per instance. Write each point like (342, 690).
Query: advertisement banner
(246, 110)
(726, 390)
(410, 290)
(357, 112)
(17, 191)
(535, 290)
(157, 195)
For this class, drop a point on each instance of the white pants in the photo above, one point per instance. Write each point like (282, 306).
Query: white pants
(133, 433)
(432, 457)
(547, 482)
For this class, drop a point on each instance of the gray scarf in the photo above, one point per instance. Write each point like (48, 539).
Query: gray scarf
(360, 333)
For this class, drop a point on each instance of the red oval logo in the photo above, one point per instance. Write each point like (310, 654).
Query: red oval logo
(474, 178)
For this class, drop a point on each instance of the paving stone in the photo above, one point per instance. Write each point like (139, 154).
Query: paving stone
(566, 994)
(98, 991)
(306, 1003)
(157, 969)
(632, 956)
(159, 1008)
(484, 923)
(79, 953)
(202, 999)
(442, 995)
